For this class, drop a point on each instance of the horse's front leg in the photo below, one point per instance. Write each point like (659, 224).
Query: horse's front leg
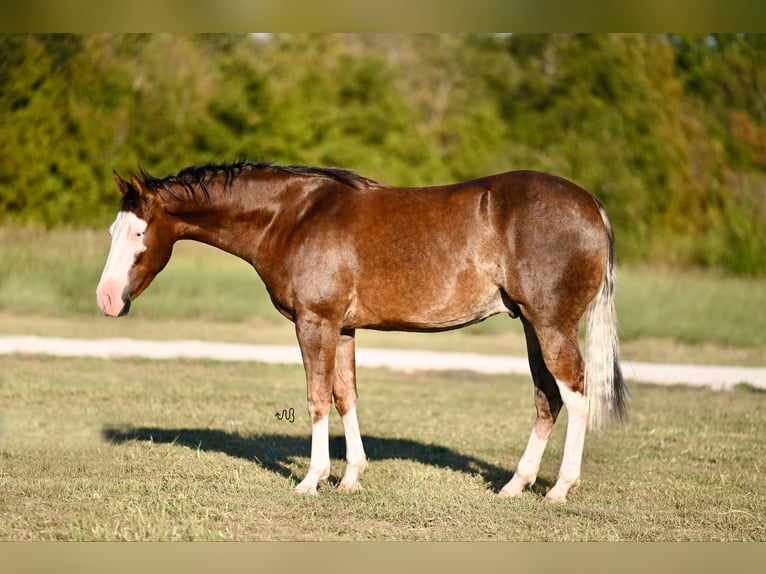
(318, 338)
(344, 392)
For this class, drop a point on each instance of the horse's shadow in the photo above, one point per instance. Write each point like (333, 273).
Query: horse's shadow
(277, 452)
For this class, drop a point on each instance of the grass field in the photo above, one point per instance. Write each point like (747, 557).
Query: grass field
(191, 450)
(169, 450)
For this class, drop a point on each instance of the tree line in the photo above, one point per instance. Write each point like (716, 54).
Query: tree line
(668, 130)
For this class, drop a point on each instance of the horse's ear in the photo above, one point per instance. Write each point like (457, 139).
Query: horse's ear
(122, 185)
(139, 187)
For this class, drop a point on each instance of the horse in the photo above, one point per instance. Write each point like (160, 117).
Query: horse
(339, 252)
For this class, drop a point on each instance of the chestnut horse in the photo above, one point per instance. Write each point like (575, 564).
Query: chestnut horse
(339, 252)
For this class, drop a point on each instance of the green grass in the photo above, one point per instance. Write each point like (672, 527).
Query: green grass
(56, 273)
(188, 450)
(691, 307)
(48, 280)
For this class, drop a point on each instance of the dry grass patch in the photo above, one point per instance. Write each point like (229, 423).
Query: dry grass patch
(189, 450)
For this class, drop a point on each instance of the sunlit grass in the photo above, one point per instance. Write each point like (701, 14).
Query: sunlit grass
(189, 450)
(692, 307)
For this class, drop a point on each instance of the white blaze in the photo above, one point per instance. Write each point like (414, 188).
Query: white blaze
(127, 233)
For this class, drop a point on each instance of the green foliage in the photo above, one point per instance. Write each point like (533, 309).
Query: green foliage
(668, 130)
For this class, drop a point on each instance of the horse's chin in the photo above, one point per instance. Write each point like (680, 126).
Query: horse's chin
(125, 308)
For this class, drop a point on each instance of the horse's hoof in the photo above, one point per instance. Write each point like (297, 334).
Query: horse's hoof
(555, 498)
(350, 486)
(305, 489)
(508, 494)
(514, 489)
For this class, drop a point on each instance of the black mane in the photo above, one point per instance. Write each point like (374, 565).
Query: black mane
(196, 178)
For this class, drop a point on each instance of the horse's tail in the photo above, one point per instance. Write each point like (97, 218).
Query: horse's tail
(604, 384)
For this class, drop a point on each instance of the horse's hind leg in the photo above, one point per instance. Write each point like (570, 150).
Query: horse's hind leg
(345, 394)
(561, 352)
(548, 403)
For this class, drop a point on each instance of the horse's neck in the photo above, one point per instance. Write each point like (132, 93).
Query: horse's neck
(244, 228)
(241, 237)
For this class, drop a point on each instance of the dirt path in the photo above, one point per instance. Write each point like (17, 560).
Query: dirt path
(717, 377)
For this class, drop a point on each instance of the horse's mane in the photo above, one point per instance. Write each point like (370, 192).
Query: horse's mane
(196, 178)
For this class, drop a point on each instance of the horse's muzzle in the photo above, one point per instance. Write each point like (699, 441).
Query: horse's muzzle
(112, 301)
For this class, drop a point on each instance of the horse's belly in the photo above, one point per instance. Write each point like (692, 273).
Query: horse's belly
(423, 309)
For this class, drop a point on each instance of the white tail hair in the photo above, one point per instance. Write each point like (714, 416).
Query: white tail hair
(604, 384)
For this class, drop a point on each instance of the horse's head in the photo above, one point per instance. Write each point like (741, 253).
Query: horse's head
(142, 242)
